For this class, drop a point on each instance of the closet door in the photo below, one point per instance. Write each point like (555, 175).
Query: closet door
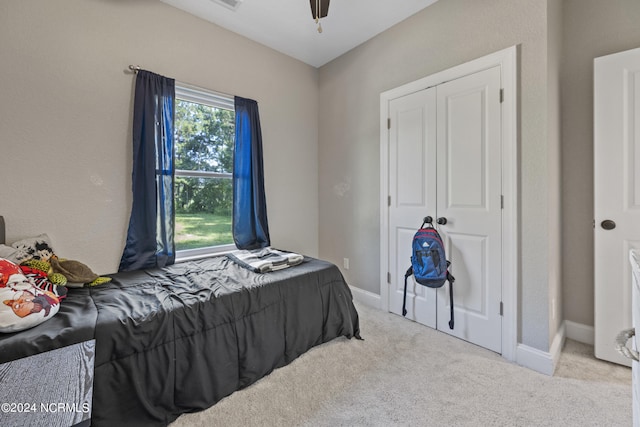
(412, 196)
(617, 194)
(445, 162)
(469, 199)
(448, 150)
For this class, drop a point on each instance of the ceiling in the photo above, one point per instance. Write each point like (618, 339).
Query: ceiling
(288, 27)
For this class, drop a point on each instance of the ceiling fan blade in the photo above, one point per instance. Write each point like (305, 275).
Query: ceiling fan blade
(324, 8)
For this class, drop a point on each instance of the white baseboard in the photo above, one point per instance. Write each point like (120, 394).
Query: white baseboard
(539, 360)
(579, 332)
(365, 297)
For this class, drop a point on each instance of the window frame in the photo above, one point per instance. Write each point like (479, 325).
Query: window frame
(197, 95)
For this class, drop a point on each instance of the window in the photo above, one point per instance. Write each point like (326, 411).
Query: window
(203, 193)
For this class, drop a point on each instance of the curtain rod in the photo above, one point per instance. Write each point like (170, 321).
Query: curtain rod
(136, 68)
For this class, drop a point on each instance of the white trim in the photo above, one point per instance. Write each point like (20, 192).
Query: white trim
(535, 359)
(541, 361)
(199, 253)
(579, 332)
(385, 99)
(507, 60)
(202, 174)
(511, 215)
(557, 344)
(365, 297)
(199, 95)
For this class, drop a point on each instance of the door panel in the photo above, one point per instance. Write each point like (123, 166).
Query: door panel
(470, 253)
(469, 197)
(411, 138)
(616, 193)
(410, 164)
(466, 162)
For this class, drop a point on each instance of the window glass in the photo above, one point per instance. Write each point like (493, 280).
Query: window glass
(204, 138)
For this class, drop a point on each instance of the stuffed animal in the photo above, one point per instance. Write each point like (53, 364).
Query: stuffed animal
(43, 281)
(63, 272)
(39, 263)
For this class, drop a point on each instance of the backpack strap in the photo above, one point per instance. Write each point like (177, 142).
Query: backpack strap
(451, 279)
(404, 301)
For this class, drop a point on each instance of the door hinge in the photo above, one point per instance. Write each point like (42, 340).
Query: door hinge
(389, 123)
(501, 309)
(388, 277)
(501, 96)
(388, 200)
(501, 201)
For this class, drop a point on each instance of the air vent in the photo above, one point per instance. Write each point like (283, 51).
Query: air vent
(229, 4)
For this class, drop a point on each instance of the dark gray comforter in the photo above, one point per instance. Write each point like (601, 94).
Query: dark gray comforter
(179, 339)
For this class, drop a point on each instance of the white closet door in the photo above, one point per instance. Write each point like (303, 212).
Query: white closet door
(617, 194)
(412, 190)
(469, 197)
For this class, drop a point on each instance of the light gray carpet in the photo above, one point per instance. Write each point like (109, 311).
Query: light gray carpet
(405, 374)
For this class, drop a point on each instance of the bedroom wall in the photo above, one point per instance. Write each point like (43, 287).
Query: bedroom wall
(446, 34)
(618, 29)
(65, 119)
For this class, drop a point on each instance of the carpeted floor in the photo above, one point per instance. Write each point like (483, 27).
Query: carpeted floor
(405, 374)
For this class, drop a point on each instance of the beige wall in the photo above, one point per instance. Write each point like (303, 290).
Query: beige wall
(446, 34)
(592, 28)
(65, 117)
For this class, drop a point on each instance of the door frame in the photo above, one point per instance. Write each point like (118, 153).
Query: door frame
(507, 60)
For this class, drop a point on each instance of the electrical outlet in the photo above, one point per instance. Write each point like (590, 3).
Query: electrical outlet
(345, 263)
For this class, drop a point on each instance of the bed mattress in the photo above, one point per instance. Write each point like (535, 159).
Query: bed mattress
(179, 339)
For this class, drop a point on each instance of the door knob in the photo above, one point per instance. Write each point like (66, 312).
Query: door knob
(442, 220)
(608, 224)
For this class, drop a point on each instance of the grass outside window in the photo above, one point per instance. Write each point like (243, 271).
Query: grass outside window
(198, 230)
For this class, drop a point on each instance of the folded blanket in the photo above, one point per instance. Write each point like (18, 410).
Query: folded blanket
(265, 260)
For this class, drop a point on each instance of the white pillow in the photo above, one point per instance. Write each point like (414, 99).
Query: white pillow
(38, 248)
(7, 252)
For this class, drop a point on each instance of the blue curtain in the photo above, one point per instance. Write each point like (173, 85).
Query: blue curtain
(150, 236)
(250, 228)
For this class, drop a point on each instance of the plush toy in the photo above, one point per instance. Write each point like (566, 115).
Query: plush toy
(37, 259)
(63, 272)
(24, 305)
(42, 281)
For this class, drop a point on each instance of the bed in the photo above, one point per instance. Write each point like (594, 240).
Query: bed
(179, 339)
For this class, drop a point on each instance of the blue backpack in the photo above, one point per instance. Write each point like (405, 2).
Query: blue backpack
(429, 265)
